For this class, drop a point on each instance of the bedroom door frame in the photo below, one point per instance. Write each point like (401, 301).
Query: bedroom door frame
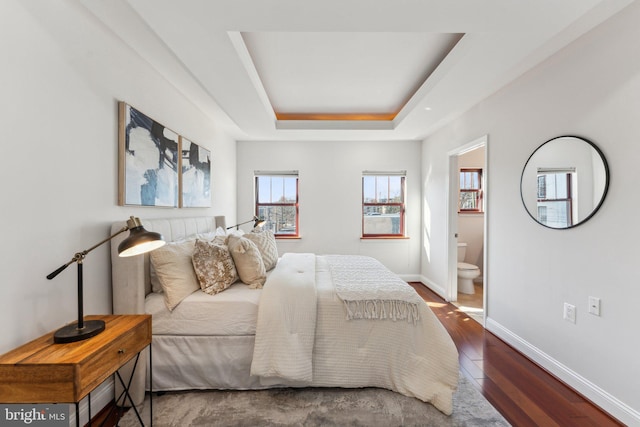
(452, 220)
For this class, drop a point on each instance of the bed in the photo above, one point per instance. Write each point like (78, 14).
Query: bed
(315, 320)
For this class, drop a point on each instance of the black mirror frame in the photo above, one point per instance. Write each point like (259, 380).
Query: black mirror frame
(604, 191)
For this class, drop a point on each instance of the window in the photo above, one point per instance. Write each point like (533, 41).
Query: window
(383, 206)
(555, 197)
(470, 199)
(277, 201)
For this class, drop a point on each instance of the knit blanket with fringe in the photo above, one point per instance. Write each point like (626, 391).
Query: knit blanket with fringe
(371, 291)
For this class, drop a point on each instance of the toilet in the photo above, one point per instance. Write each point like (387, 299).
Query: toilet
(466, 272)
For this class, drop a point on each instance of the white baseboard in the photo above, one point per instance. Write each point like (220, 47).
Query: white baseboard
(433, 286)
(100, 398)
(591, 391)
(410, 277)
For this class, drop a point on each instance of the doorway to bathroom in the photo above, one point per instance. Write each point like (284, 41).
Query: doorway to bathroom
(467, 228)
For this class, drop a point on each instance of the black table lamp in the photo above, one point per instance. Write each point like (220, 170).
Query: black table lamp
(138, 242)
(257, 222)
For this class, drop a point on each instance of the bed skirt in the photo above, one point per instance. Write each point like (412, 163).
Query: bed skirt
(202, 362)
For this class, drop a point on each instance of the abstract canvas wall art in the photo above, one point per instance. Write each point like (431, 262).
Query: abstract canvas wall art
(148, 164)
(195, 175)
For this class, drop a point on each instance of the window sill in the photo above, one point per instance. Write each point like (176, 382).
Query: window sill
(385, 238)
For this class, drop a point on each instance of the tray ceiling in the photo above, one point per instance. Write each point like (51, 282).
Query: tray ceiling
(362, 69)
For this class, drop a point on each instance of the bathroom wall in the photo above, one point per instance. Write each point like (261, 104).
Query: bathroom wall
(591, 89)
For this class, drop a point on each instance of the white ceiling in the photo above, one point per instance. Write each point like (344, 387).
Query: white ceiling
(344, 73)
(241, 61)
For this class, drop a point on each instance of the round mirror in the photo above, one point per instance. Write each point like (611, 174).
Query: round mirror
(564, 182)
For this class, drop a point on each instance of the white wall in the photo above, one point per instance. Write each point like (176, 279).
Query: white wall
(330, 187)
(589, 89)
(62, 76)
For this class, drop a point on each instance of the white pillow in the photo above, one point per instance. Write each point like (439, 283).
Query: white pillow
(234, 232)
(266, 243)
(156, 286)
(206, 236)
(174, 270)
(248, 261)
(213, 237)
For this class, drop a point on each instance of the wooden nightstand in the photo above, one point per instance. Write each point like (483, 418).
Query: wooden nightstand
(44, 372)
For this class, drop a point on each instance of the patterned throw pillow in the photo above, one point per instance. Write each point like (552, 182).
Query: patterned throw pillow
(214, 266)
(266, 243)
(248, 261)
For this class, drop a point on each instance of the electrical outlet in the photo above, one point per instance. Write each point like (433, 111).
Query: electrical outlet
(569, 312)
(594, 306)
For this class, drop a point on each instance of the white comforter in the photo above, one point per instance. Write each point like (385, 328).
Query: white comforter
(303, 338)
(287, 323)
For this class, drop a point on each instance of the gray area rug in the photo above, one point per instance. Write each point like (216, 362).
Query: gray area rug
(314, 407)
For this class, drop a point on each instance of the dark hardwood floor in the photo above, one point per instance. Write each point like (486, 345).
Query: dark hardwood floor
(524, 393)
(108, 416)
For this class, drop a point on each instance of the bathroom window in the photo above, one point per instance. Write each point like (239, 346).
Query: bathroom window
(383, 208)
(277, 201)
(470, 195)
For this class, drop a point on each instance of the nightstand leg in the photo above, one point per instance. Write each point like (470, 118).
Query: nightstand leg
(126, 389)
(150, 387)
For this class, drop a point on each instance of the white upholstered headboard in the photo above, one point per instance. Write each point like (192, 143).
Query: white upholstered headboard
(130, 281)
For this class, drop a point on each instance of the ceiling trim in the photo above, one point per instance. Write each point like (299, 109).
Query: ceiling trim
(335, 124)
(336, 117)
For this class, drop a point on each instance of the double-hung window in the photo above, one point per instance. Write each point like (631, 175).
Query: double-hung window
(470, 199)
(555, 197)
(276, 195)
(383, 204)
